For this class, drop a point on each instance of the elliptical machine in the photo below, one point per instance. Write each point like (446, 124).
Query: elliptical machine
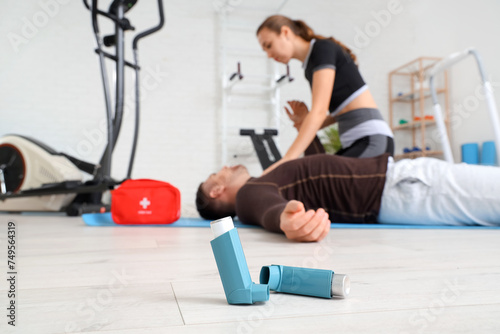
(34, 177)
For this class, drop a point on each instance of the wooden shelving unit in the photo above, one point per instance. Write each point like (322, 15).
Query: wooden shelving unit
(407, 85)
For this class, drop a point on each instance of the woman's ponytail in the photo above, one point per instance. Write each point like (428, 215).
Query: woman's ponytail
(303, 30)
(345, 48)
(299, 28)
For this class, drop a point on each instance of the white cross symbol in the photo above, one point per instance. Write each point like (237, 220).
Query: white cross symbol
(145, 203)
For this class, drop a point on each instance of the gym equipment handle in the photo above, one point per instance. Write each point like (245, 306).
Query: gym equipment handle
(152, 30)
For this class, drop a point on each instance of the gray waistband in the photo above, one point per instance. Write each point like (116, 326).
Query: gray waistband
(354, 117)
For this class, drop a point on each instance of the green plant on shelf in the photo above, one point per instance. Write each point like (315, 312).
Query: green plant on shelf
(330, 139)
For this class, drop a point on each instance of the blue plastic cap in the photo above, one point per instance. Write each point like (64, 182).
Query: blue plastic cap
(271, 275)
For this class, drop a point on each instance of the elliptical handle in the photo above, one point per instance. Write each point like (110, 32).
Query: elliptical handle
(97, 11)
(94, 11)
(152, 30)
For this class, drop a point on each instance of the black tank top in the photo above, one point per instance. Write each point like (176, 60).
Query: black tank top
(324, 53)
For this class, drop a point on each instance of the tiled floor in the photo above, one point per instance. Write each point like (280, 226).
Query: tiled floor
(74, 278)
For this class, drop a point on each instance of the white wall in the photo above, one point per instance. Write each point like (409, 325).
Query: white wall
(50, 86)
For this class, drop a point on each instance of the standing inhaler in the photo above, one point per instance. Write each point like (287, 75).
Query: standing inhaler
(233, 269)
(305, 281)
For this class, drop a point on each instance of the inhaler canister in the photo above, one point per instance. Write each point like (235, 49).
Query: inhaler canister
(232, 265)
(305, 281)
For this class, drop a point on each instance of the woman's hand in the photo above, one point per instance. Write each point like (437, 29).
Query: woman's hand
(298, 113)
(309, 122)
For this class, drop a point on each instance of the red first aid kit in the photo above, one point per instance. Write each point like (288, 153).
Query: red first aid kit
(145, 201)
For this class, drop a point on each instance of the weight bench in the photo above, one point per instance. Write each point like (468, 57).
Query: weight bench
(264, 145)
(266, 149)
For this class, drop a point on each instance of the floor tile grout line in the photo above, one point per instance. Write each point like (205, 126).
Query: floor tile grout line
(177, 302)
(335, 314)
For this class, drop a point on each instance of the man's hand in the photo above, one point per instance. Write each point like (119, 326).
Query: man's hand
(300, 225)
(298, 113)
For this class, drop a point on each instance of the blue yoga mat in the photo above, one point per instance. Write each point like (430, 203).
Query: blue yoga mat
(104, 219)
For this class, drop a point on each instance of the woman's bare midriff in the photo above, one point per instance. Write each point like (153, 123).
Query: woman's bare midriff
(365, 100)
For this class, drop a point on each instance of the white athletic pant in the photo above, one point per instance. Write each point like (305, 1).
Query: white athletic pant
(431, 191)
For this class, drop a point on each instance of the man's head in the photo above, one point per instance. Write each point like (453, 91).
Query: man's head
(216, 197)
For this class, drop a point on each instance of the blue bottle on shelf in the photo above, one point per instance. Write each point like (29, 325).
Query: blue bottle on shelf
(489, 154)
(470, 153)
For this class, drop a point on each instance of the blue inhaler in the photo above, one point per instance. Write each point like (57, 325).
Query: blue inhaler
(233, 269)
(305, 281)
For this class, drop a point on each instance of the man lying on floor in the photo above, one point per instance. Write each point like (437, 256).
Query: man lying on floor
(302, 196)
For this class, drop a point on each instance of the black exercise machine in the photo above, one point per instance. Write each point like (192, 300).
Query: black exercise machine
(15, 164)
(264, 146)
